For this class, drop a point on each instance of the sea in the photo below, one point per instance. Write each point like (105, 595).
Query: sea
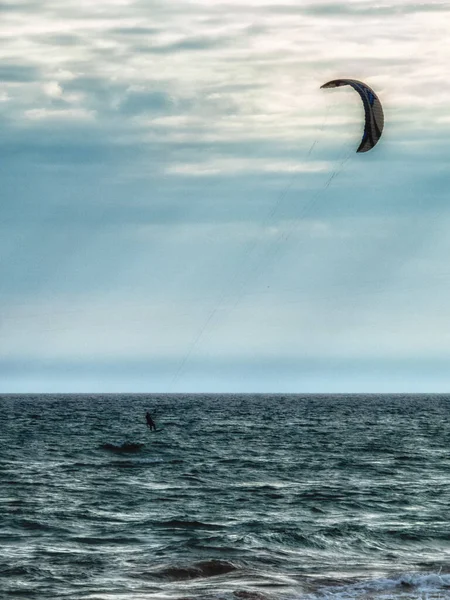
(234, 497)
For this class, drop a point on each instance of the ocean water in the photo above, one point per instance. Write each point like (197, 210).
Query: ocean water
(236, 497)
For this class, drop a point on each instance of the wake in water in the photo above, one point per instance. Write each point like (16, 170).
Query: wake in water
(126, 447)
(207, 568)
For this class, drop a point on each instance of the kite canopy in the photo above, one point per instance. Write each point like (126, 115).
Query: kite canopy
(374, 118)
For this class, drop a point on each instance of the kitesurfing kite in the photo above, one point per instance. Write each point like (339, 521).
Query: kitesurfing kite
(374, 118)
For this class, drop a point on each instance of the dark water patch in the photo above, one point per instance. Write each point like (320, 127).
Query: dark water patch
(7, 537)
(434, 567)
(126, 447)
(18, 482)
(186, 524)
(250, 595)
(34, 525)
(202, 569)
(410, 458)
(231, 460)
(166, 499)
(259, 488)
(22, 570)
(18, 503)
(27, 592)
(324, 496)
(408, 536)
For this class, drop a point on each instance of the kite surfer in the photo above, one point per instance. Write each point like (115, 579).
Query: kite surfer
(150, 422)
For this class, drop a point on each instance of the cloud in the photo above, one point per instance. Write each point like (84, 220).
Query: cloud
(53, 89)
(135, 31)
(362, 9)
(18, 6)
(18, 73)
(64, 115)
(190, 44)
(245, 165)
(144, 101)
(62, 39)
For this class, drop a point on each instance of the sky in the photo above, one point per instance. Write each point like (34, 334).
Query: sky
(183, 210)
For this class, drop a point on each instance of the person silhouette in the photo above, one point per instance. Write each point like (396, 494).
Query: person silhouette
(150, 422)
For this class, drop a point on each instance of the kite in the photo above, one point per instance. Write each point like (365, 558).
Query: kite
(374, 118)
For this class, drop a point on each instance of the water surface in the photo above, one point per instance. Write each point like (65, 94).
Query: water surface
(248, 497)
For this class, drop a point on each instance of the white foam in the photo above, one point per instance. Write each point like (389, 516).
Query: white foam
(420, 586)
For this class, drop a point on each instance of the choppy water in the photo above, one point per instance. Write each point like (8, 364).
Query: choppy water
(237, 497)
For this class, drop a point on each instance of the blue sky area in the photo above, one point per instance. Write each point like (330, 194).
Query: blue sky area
(169, 219)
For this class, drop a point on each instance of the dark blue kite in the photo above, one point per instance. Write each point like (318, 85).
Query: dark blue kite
(374, 118)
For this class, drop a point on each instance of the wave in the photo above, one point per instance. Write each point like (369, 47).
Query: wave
(21, 570)
(126, 447)
(249, 595)
(202, 569)
(105, 540)
(37, 526)
(411, 458)
(182, 524)
(410, 585)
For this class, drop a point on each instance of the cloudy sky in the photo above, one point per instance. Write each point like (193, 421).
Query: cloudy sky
(182, 207)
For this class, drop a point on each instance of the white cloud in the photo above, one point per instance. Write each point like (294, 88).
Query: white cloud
(245, 165)
(53, 89)
(70, 114)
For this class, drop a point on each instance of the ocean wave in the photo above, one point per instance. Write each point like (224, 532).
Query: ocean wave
(249, 595)
(123, 464)
(184, 524)
(20, 570)
(410, 585)
(35, 525)
(22, 591)
(202, 569)
(91, 540)
(411, 458)
(295, 539)
(126, 447)
(81, 559)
